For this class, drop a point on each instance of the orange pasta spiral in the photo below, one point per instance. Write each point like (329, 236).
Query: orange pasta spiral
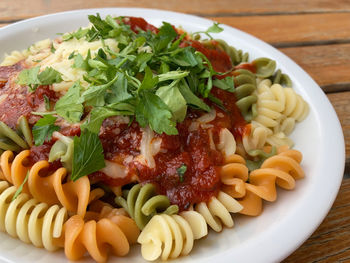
(74, 196)
(98, 237)
(282, 169)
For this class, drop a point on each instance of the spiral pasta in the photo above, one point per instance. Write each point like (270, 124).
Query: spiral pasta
(168, 236)
(98, 237)
(245, 82)
(278, 110)
(282, 169)
(216, 211)
(62, 149)
(13, 141)
(142, 202)
(237, 56)
(29, 220)
(74, 196)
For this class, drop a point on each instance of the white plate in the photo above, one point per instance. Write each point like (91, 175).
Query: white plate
(285, 224)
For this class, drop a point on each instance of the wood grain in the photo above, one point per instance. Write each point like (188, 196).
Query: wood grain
(294, 30)
(341, 104)
(13, 10)
(330, 242)
(328, 65)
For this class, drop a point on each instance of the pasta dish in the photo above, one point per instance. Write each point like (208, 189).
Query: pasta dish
(122, 132)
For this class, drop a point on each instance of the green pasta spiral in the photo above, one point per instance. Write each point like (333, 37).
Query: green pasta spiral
(259, 156)
(237, 56)
(281, 78)
(16, 140)
(142, 203)
(62, 149)
(245, 82)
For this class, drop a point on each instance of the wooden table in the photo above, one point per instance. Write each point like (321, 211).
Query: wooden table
(315, 34)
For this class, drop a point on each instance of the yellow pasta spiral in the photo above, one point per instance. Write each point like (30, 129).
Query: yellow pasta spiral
(29, 220)
(168, 236)
(216, 211)
(74, 196)
(282, 169)
(98, 237)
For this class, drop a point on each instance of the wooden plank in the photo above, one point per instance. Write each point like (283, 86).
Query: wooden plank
(328, 65)
(10, 9)
(330, 242)
(340, 102)
(291, 30)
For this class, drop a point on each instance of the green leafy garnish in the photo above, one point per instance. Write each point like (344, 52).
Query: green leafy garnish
(33, 78)
(152, 78)
(43, 129)
(47, 102)
(152, 111)
(88, 155)
(215, 28)
(20, 188)
(181, 172)
(68, 106)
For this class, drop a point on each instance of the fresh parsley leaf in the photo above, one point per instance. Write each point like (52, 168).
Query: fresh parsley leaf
(20, 188)
(76, 34)
(53, 49)
(172, 75)
(43, 129)
(119, 90)
(148, 82)
(192, 99)
(33, 78)
(101, 26)
(49, 76)
(225, 84)
(94, 95)
(68, 106)
(99, 114)
(181, 172)
(164, 37)
(71, 55)
(29, 76)
(215, 28)
(173, 98)
(152, 111)
(80, 62)
(47, 103)
(88, 155)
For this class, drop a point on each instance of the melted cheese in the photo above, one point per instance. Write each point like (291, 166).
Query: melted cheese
(114, 170)
(150, 146)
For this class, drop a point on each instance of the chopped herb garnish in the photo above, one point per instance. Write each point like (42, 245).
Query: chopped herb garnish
(20, 188)
(88, 155)
(181, 172)
(68, 106)
(152, 78)
(47, 103)
(43, 129)
(33, 78)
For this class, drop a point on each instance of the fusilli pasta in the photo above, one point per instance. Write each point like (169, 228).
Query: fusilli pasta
(29, 220)
(168, 236)
(75, 196)
(282, 169)
(142, 202)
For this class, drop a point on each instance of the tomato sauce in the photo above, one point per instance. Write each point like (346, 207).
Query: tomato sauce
(137, 23)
